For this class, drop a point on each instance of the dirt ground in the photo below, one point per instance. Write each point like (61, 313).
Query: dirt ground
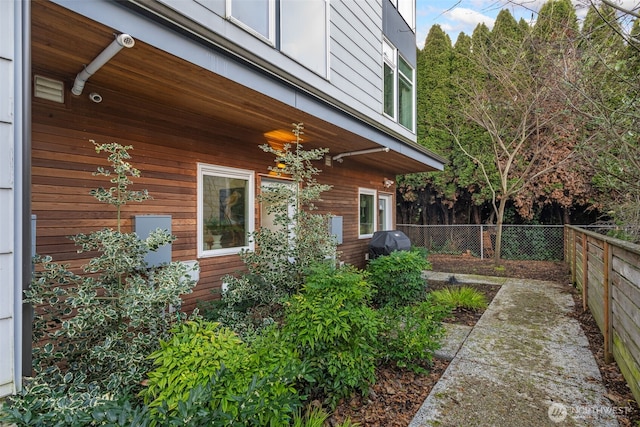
(398, 393)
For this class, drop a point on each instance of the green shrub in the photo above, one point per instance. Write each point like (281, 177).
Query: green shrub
(334, 331)
(411, 334)
(397, 277)
(277, 266)
(250, 385)
(460, 297)
(93, 330)
(316, 417)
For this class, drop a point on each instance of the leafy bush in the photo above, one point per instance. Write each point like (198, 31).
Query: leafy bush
(316, 417)
(277, 267)
(334, 331)
(93, 331)
(460, 297)
(397, 277)
(410, 334)
(250, 386)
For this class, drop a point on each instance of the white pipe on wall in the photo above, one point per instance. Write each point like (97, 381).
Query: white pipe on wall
(356, 153)
(123, 40)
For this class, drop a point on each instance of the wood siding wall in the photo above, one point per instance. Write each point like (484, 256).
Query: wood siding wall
(607, 271)
(168, 144)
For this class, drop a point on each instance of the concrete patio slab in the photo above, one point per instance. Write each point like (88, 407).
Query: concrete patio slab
(455, 335)
(463, 278)
(525, 363)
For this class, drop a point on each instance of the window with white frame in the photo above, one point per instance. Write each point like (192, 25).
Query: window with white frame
(225, 210)
(407, 9)
(283, 188)
(304, 33)
(398, 91)
(389, 78)
(257, 16)
(367, 212)
(405, 94)
(301, 28)
(385, 214)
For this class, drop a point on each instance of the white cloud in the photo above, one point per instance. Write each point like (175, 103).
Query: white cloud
(465, 15)
(469, 17)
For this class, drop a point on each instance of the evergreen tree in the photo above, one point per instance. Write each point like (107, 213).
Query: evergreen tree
(468, 176)
(505, 29)
(433, 106)
(609, 105)
(556, 22)
(519, 104)
(433, 89)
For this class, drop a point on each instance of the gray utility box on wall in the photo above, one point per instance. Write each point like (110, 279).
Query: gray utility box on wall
(143, 225)
(335, 228)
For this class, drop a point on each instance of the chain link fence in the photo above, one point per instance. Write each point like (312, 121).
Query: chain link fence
(519, 242)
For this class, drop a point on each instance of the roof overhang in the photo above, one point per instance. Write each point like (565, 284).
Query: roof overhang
(197, 78)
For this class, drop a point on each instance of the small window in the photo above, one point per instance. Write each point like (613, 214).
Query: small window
(268, 218)
(304, 33)
(389, 91)
(405, 94)
(367, 212)
(398, 90)
(385, 214)
(389, 79)
(407, 11)
(258, 16)
(225, 210)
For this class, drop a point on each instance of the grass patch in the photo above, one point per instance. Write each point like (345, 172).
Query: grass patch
(460, 297)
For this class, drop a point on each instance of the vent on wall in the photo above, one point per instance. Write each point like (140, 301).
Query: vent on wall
(49, 89)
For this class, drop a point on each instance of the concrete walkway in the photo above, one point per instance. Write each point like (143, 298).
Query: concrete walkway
(525, 363)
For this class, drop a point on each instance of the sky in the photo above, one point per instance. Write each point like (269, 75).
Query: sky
(455, 16)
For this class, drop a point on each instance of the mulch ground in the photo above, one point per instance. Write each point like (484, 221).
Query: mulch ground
(399, 393)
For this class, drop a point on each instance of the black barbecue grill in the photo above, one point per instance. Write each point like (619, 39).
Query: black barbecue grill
(385, 242)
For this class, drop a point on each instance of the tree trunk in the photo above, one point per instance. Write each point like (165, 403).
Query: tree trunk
(475, 214)
(499, 220)
(445, 214)
(566, 213)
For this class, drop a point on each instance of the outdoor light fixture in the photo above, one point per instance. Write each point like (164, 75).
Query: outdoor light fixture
(95, 97)
(339, 157)
(123, 40)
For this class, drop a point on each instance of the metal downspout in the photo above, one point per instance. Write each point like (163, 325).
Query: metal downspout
(23, 312)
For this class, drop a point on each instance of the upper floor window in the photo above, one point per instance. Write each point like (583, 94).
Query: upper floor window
(225, 210)
(304, 35)
(405, 93)
(299, 29)
(389, 77)
(258, 16)
(407, 9)
(398, 91)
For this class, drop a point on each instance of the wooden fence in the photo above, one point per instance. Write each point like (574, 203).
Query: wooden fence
(607, 271)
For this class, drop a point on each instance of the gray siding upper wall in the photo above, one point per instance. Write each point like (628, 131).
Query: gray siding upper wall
(395, 28)
(355, 50)
(8, 223)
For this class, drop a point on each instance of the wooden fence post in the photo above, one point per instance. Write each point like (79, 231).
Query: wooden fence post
(608, 315)
(574, 256)
(585, 274)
